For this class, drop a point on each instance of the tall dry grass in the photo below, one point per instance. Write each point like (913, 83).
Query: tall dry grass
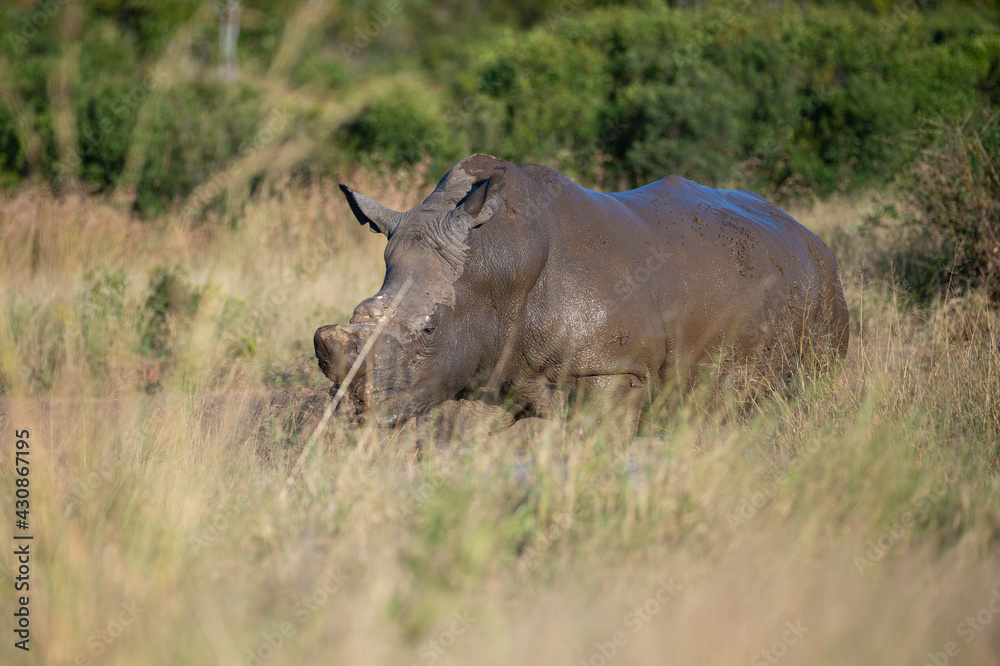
(854, 521)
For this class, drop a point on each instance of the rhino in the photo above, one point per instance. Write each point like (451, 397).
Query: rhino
(514, 285)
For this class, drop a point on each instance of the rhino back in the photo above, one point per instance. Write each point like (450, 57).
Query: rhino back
(644, 280)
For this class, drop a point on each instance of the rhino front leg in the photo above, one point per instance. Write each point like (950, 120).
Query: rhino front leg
(618, 397)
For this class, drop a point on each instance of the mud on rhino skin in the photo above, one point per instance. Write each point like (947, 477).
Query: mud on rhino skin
(525, 288)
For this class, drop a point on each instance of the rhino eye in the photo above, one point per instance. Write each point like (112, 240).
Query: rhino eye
(428, 328)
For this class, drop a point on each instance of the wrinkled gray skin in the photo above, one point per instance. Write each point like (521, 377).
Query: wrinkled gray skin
(525, 286)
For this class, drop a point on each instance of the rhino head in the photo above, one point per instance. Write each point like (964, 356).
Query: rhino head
(457, 268)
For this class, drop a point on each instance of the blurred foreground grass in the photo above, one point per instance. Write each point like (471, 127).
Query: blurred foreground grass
(165, 373)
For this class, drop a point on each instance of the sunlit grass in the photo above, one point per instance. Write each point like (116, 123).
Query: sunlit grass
(165, 371)
(864, 507)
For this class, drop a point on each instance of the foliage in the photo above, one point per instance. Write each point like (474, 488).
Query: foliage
(400, 128)
(169, 307)
(779, 98)
(948, 211)
(186, 150)
(818, 97)
(874, 487)
(102, 311)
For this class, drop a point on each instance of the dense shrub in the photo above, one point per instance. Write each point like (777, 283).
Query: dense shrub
(102, 309)
(13, 164)
(948, 211)
(170, 306)
(546, 95)
(184, 150)
(758, 99)
(778, 98)
(399, 129)
(187, 131)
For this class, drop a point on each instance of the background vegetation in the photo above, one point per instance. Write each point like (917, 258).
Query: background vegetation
(782, 97)
(171, 237)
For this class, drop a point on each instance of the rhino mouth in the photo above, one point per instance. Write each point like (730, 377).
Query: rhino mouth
(391, 407)
(386, 407)
(326, 366)
(361, 401)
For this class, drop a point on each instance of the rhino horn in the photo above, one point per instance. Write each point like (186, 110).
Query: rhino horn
(381, 219)
(336, 349)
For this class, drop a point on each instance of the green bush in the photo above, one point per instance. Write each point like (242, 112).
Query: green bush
(673, 105)
(758, 99)
(541, 97)
(102, 309)
(399, 129)
(948, 211)
(13, 164)
(731, 93)
(170, 306)
(189, 130)
(216, 124)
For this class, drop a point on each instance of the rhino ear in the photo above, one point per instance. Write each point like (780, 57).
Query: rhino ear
(381, 219)
(484, 202)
